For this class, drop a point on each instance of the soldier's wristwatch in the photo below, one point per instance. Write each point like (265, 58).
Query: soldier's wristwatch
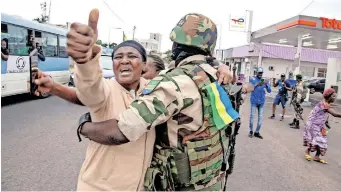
(82, 120)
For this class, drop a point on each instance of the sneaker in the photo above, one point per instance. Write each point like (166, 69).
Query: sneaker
(258, 135)
(272, 116)
(282, 118)
(251, 134)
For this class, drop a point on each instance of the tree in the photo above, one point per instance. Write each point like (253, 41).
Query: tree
(99, 42)
(168, 56)
(41, 19)
(112, 45)
(153, 52)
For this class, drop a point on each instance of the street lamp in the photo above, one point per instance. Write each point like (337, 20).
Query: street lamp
(116, 28)
(220, 34)
(221, 30)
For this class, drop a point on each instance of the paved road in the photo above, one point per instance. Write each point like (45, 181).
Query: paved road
(40, 151)
(40, 148)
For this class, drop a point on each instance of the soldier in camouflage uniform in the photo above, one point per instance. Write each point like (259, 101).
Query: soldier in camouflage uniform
(298, 97)
(190, 149)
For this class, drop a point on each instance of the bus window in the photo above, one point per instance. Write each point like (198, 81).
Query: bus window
(37, 34)
(30, 38)
(4, 34)
(50, 44)
(4, 28)
(37, 37)
(62, 46)
(17, 40)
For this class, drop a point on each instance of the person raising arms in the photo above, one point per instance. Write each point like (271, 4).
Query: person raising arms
(315, 133)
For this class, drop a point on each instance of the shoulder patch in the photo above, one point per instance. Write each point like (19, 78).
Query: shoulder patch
(152, 85)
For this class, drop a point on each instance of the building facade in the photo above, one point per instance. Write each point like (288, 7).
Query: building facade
(153, 44)
(276, 59)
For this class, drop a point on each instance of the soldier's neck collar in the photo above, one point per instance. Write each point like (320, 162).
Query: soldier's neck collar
(191, 59)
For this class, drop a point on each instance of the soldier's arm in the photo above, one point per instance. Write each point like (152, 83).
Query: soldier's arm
(145, 113)
(104, 132)
(92, 89)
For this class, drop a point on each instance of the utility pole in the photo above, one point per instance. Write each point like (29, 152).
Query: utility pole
(49, 17)
(221, 34)
(134, 32)
(109, 36)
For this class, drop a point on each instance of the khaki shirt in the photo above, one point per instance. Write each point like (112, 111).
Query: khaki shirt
(176, 102)
(110, 167)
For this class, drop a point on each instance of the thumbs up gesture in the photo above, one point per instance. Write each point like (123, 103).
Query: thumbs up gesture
(82, 38)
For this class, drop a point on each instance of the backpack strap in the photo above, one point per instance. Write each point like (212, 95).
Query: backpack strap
(200, 60)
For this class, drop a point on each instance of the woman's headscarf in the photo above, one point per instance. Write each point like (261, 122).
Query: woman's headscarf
(328, 93)
(134, 44)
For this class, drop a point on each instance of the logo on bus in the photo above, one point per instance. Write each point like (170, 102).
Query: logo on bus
(20, 63)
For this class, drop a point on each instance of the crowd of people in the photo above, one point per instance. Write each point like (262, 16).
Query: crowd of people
(151, 129)
(316, 127)
(258, 97)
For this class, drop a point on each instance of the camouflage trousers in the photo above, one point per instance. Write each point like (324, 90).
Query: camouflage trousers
(298, 110)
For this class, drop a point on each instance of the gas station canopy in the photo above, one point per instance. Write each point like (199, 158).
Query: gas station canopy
(318, 33)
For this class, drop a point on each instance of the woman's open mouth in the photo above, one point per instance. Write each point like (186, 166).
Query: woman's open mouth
(125, 71)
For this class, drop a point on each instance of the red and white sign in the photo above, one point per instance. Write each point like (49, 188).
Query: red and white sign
(330, 23)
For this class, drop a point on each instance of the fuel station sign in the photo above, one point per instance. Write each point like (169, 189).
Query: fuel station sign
(330, 23)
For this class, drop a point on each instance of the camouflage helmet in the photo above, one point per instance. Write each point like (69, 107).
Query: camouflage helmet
(196, 30)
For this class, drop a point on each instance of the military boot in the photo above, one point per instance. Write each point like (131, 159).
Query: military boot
(297, 125)
(293, 123)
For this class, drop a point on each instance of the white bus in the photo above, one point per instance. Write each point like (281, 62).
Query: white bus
(15, 72)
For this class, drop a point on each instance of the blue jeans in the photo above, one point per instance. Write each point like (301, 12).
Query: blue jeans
(260, 108)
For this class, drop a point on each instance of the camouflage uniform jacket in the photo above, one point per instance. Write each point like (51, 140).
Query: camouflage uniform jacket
(299, 91)
(175, 101)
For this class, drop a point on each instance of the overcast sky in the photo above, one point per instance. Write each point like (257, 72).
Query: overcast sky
(160, 16)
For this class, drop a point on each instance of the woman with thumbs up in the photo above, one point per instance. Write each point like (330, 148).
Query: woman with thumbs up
(110, 167)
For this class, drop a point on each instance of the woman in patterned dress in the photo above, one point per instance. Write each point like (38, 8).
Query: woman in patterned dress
(315, 134)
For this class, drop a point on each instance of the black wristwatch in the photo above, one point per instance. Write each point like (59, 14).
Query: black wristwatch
(82, 120)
